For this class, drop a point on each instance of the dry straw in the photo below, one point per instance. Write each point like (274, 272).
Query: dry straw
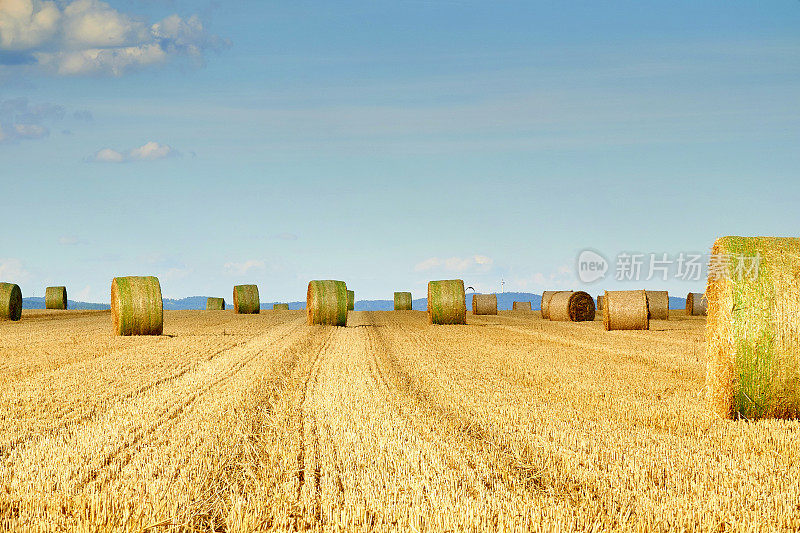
(10, 301)
(245, 300)
(571, 306)
(484, 304)
(280, 307)
(753, 331)
(215, 304)
(136, 306)
(447, 302)
(625, 310)
(600, 303)
(326, 302)
(521, 306)
(351, 300)
(658, 304)
(55, 298)
(402, 301)
(546, 296)
(696, 304)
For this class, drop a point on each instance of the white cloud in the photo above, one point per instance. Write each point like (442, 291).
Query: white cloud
(147, 152)
(21, 120)
(12, 271)
(561, 278)
(82, 295)
(239, 269)
(68, 240)
(475, 263)
(91, 37)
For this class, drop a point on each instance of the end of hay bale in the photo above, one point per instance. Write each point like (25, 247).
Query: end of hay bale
(575, 306)
(136, 306)
(326, 303)
(402, 301)
(215, 304)
(351, 300)
(625, 310)
(447, 302)
(521, 306)
(55, 298)
(246, 300)
(484, 304)
(10, 301)
(545, 307)
(658, 304)
(280, 307)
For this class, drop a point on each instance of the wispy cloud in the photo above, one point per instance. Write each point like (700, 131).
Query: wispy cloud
(22, 120)
(475, 263)
(13, 271)
(68, 240)
(149, 151)
(239, 269)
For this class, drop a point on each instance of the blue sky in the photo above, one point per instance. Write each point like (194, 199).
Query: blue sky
(387, 143)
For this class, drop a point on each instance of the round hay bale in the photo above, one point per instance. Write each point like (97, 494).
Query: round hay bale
(215, 304)
(447, 303)
(696, 304)
(521, 306)
(402, 301)
(625, 310)
(280, 307)
(600, 303)
(55, 298)
(484, 304)
(351, 300)
(571, 306)
(658, 304)
(136, 306)
(546, 296)
(10, 301)
(753, 331)
(326, 302)
(245, 300)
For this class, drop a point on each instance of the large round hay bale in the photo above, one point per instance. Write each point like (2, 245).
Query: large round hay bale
(136, 306)
(753, 331)
(521, 306)
(280, 307)
(658, 304)
(484, 304)
(696, 304)
(402, 301)
(625, 310)
(55, 298)
(351, 300)
(600, 303)
(447, 303)
(546, 296)
(215, 304)
(571, 306)
(245, 300)
(10, 301)
(326, 302)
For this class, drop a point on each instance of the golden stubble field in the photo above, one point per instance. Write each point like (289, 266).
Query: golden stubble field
(260, 422)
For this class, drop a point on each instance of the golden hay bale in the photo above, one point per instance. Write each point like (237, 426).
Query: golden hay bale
(571, 306)
(521, 306)
(215, 304)
(484, 304)
(136, 306)
(402, 301)
(696, 304)
(600, 303)
(326, 302)
(546, 296)
(351, 300)
(447, 302)
(625, 310)
(10, 301)
(55, 298)
(280, 307)
(658, 304)
(753, 331)
(245, 300)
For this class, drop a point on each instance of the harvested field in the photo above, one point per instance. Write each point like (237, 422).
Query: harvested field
(249, 422)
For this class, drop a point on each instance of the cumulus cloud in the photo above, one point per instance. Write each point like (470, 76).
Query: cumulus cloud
(90, 37)
(21, 120)
(475, 263)
(238, 269)
(147, 152)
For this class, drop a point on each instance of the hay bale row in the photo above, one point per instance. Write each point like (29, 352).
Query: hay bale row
(753, 331)
(546, 296)
(657, 304)
(402, 301)
(280, 307)
(571, 306)
(55, 298)
(696, 304)
(351, 300)
(136, 306)
(447, 302)
(246, 300)
(327, 302)
(10, 301)
(215, 304)
(484, 304)
(625, 310)
(521, 306)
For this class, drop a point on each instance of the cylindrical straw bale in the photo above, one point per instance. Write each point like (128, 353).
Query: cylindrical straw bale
(136, 306)
(484, 304)
(447, 302)
(215, 304)
(658, 304)
(402, 301)
(521, 306)
(351, 300)
(10, 301)
(600, 303)
(546, 296)
(245, 300)
(696, 304)
(280, 307)
(326, 302)
(571, 306)
(55, 298)
(625, 310)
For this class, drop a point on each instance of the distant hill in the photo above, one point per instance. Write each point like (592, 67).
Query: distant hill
(37, 302)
